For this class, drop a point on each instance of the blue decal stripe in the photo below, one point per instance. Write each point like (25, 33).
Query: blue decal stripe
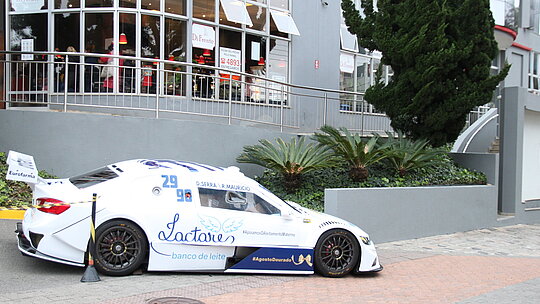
(178, 164)
(152, 246)
(207, 167)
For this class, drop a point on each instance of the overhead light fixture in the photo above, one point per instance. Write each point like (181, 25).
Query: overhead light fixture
(123, 39)
(207, 53)
(261, 61)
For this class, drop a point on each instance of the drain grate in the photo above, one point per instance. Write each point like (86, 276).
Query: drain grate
(173, 300)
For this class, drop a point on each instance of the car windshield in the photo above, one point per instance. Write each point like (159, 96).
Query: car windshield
(93, 178)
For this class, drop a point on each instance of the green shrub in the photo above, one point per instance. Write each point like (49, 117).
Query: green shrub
(13, 193)
(292, 159)
(311, 193)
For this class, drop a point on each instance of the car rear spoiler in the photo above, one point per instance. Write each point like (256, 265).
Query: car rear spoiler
(21, 167)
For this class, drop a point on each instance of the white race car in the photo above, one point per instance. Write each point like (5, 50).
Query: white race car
(183, 216)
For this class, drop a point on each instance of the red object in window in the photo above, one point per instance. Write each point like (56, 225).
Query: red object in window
(206, 53)
(171, 57)
(123, 39)
(200, 60)
(227, 77)
(261, 61)
(44, 201)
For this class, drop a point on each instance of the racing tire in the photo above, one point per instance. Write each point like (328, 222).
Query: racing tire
(336, 253)
(121, 248)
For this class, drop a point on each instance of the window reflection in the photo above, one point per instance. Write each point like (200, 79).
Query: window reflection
(258, 17)
(278, 67)
(150, 43)
(63, 4)
(175, 50)
(204, 9)
(175, 7)
(128, 3)
(150, 5)
(282, 4)
(66, 39)
(255, 59)
(99, 3)
(230, 47)
(127, 48)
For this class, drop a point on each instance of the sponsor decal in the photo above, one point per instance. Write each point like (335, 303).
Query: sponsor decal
(218, 232)
(200, 256)
(21, 168)
(294, 259)
(268, 233)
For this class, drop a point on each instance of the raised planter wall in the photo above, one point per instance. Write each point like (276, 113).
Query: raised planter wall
(390, 214)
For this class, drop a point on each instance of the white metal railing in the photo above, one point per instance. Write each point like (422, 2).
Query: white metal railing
(155, 88)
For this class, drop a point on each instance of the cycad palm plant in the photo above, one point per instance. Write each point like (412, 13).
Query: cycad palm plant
(406, 155)
(357, 152)
(291, 159)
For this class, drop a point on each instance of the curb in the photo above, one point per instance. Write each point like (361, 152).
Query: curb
(12, 214)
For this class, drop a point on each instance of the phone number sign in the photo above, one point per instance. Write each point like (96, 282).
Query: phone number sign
(230, 59)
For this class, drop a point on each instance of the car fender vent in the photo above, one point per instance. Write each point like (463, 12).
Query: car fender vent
(330, 223)
(35, 238)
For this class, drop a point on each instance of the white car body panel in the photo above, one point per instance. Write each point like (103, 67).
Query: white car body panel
(163, 198)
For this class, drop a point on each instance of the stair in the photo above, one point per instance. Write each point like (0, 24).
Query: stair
(495, 145)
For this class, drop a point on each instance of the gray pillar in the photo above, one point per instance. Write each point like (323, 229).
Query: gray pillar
(511, 152)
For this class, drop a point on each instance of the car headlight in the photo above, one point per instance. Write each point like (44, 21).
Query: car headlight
(365, 240)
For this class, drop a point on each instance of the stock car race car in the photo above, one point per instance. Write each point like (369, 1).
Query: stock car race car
(182, 216)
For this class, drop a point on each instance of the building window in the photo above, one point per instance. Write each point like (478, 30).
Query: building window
(506, 12)
(534, 72)
(535, 16)
(63, 4)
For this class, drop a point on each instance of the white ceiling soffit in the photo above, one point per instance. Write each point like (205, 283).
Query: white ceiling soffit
(348, 40)
(284, 22)
(235, 11)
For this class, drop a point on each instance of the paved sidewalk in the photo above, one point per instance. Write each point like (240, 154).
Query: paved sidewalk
(499, 265)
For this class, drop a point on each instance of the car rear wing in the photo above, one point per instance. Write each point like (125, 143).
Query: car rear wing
(21, 167)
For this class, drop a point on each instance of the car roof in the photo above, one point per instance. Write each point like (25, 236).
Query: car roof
(145, 166)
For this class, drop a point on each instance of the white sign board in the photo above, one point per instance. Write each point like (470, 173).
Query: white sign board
(203, 37)
(27, 5)
(346, 63)
(255, 50)
(230, 59)
(27, 45)
(21, 168)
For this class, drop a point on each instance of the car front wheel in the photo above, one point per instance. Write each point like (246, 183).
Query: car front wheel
(336, 253)
(120, 248)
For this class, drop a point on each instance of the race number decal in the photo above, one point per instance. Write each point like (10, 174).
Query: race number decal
(182, 195)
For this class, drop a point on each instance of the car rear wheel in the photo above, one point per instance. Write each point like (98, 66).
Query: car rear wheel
(336, 253)
(121, 248)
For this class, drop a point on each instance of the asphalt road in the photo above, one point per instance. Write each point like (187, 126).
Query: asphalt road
(17, 270)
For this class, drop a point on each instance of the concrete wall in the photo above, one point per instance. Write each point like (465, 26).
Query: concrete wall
(487, 163)
(479, 136)
(531, 156)
(71, 143)
(389, 214)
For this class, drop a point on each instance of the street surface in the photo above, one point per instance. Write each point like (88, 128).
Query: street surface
(497, 265)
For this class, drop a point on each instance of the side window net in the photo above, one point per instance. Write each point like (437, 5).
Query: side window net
(93, 178)
(235, 200)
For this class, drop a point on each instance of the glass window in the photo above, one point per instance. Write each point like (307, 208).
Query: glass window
(93, 178)
(32, 27)
(150, 5)
(281, 4)
(258, 17)
(230, 54)
(175, 7)
(348, 40)
(235, 11)
(255, 61)
(175, 50)
(128, 3)
(28, 6)
(99, 3)
(99, 32)
(235, 200)
(63, 4)
(66, 31)
(150, 46)
(204, 9)
(284, 22)
(278, 69)
(127, 43)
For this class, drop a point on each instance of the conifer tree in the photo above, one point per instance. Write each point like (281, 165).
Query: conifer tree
(440, 52)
